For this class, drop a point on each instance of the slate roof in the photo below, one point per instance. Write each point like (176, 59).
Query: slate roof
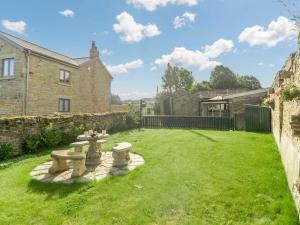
(242, 94)
(41, 50)
(258, 91)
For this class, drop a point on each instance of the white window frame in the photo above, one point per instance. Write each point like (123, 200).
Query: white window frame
(8, 67)
(64, 76)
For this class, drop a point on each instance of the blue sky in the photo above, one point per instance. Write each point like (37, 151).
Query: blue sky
(250, 36)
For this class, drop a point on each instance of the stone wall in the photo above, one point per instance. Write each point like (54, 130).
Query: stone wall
(282, 113)
(11, 128)
(237, 105)
(12, 88)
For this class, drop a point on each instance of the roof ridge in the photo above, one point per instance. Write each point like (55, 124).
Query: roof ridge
(1, 32)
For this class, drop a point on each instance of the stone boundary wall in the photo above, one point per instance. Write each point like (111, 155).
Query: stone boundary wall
(11, 128)
(283, 112)
(288, 144)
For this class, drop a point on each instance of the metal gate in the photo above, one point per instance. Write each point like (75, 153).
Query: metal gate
(258, 119)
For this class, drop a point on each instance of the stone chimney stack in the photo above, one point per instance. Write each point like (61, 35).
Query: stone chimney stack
(94, 53)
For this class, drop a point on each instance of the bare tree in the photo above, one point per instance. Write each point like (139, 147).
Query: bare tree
(292, 7)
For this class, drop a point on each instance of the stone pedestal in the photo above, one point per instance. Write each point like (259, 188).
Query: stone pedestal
(121, 154)
(78, 168)
(93, 156)
(58, 165)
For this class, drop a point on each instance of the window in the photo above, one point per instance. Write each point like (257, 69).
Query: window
(8, 67)
(64, 77)
(64, 105)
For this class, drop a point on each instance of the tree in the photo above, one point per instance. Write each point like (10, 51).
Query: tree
(222, 78)
(115, 99)
(169, 84)
(292, 8)
(202, 86)
(184, 79)
(174, 79)
(249, 82)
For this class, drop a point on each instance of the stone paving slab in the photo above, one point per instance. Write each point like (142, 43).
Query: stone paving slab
(105, 169)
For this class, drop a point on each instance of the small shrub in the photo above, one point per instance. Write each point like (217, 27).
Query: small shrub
(73, 132)
(31, 143)
(132, 118)
(290, 93)
(6, 151)
(51, 136)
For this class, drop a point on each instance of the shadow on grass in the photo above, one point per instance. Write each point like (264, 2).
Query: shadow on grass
(19, 159)
(203, 136)
(57, 190)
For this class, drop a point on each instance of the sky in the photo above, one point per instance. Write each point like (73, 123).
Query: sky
(137, 38)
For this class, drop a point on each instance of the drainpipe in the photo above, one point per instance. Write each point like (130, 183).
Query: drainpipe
(27, 54)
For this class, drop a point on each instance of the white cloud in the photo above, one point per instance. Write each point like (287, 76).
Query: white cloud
(260, 64)
(136, 95)
(18, 26)
(106, 52)
(153, 68)
(151, 5)
(184, 19)
(271, 65)
(201, 59)
(132, 31)
(124, 68)
(277, 31)
(67, 13)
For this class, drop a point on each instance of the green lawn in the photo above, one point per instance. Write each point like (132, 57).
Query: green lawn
(190, 177)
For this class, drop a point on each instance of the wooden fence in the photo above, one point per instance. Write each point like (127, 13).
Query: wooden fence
(258, 119)
(216, 123)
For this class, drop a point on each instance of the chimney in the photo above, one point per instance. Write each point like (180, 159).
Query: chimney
(94, 53)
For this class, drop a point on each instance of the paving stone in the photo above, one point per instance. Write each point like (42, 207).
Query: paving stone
(105, 169)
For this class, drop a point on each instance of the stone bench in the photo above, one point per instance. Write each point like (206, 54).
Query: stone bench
(60, 164)
(79, 145)
(121, 154)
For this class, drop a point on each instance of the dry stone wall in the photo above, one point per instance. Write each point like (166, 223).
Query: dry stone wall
(11, 128)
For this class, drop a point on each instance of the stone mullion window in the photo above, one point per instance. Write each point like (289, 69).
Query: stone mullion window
(8, 67)
(64, 105)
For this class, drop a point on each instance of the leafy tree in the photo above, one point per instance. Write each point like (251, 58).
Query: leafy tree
(174, 79)
(202, 86)
(249, 82)
(184, 79)
(222, 78)
(115, 99)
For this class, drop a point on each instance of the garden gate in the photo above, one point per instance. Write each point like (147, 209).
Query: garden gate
(258, 119)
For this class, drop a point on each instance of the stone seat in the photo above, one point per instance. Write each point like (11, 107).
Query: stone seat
(60, 158)
(121, 154)
(79, 145)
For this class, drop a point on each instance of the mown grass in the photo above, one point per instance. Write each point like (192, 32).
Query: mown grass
(190, 177)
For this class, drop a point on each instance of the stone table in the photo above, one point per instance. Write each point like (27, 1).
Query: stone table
(93, 155)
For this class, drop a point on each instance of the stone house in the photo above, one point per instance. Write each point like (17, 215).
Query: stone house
(37, 81)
